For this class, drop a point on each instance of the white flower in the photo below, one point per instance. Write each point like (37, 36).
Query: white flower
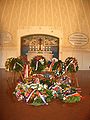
(64, 98)
(41, 61)
(20, 98)
(33, 86)
(45, 86)
(40, 87)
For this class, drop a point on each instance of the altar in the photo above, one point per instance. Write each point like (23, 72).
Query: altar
(47, 54)
(39, 44)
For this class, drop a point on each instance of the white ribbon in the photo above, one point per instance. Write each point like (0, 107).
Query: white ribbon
(36, 65)
(69, 64)
(30, 95)
(41, 96)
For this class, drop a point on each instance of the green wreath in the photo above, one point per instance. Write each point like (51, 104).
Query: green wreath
(59, 68)
(71, 64)
(14, 64)
(38, 63)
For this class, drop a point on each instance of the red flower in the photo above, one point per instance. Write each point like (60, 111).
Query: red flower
(56, 88)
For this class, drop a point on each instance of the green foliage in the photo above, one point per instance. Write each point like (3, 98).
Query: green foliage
(60, 96)
(57, 64)
(73, 89)
(49, 95)
(59, 68)
(47, 82)
(37, 102)
(63, 86)
(41, 65)
(72, 99)
(14, 64)
(71, 64)
(49, 92)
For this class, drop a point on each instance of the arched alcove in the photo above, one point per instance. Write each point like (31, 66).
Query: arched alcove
(40, 44)
(27, 35)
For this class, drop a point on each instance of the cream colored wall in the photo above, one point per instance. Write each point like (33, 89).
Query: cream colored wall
(68, 16)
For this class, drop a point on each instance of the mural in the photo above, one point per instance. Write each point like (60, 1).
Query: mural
(37, 43)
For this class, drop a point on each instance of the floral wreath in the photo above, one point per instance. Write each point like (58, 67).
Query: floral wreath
(71, 64)
(38, 63)
(14, 64)
(59, 68)
(35, 94)
(43, 88)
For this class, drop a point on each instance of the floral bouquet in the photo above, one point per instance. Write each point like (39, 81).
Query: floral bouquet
(33, 93)
(69, 94)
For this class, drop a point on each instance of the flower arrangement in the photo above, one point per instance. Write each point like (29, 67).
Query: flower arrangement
(42, 86)
(71, 64)
(38, 63)
(33, 93)
(51, 63)
(38, 93)
(69, 94)
(14, 64)
(59, 68)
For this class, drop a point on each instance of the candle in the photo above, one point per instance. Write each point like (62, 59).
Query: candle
(33, 48)
(46, 48)
(30, 48)
(49, 48)
(43, 48)
(36, 48)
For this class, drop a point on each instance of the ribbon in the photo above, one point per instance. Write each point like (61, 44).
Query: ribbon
(26, 72)
(30, 95)
(41, 96)
(36, 65)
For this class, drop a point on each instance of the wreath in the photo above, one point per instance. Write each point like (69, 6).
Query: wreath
(59, 68)
(38, 63)
(14, 64)
(71, 64)
(34, 94)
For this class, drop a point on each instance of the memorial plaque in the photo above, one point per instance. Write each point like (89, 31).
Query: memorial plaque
(78, 39)
(5, 38)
